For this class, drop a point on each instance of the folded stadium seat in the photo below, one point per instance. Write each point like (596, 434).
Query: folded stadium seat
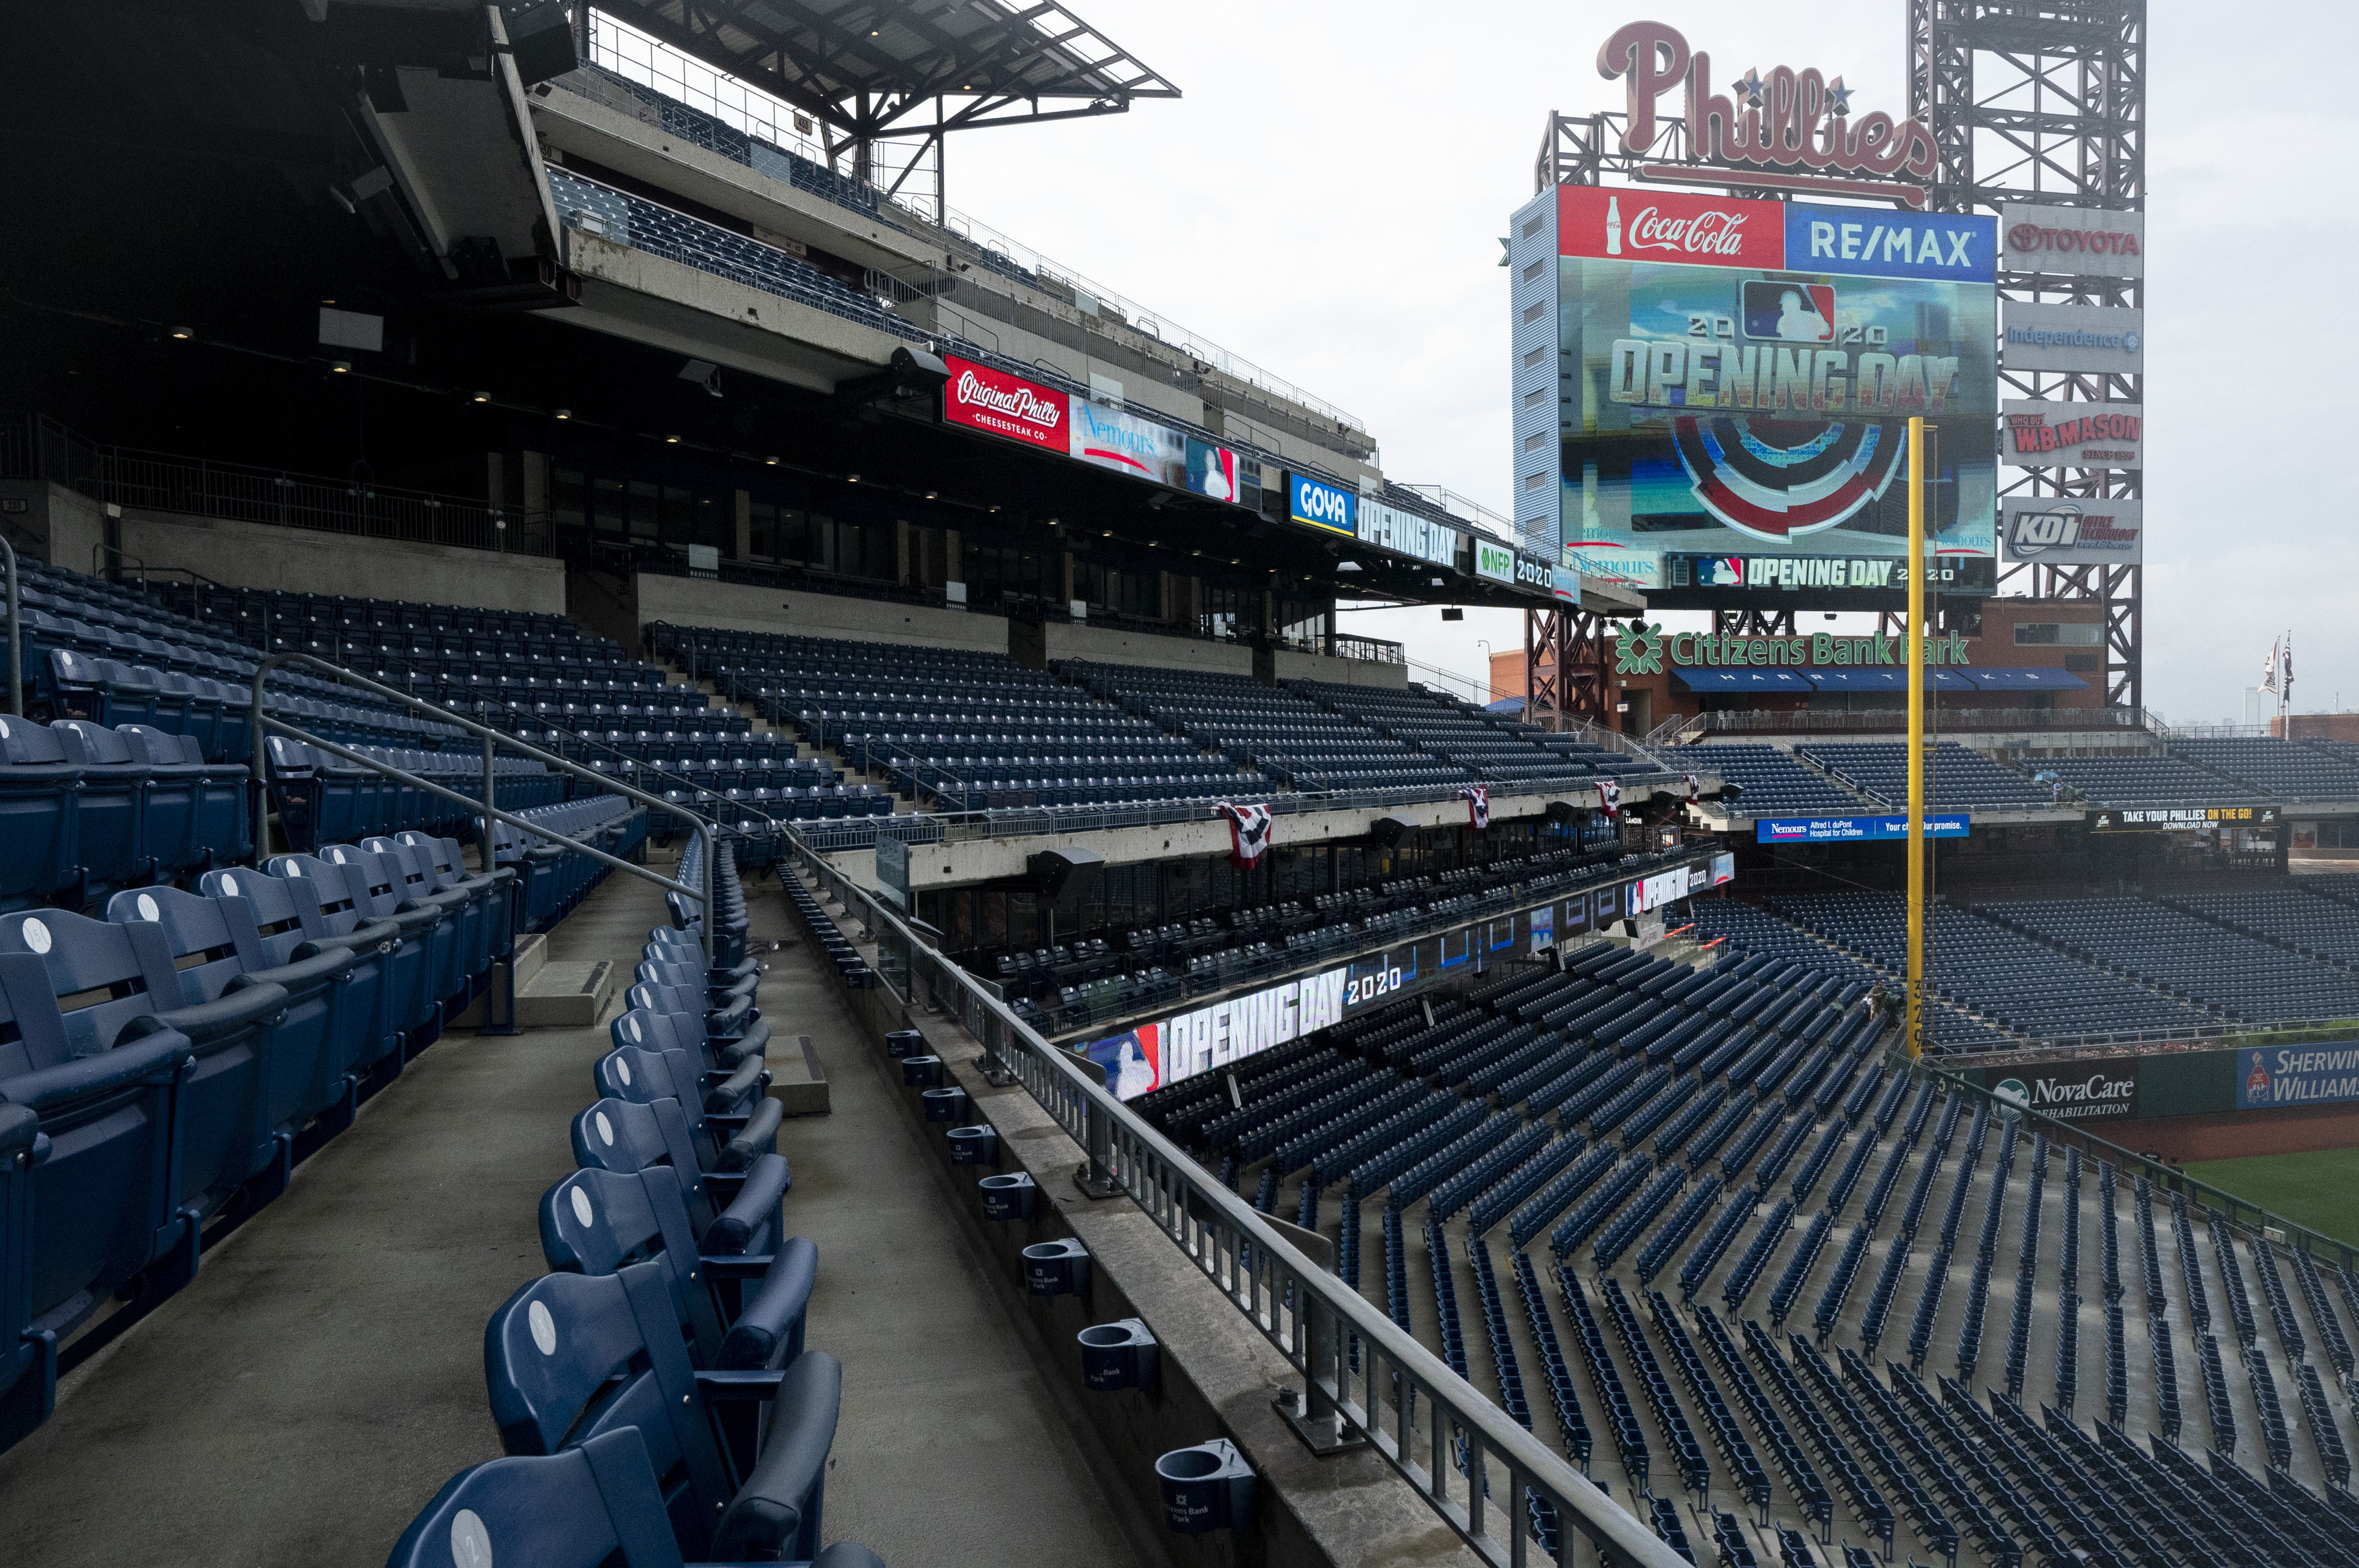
(333, 904)
(745, 1309)
(379, 891)
(659, 1071)
(27, 1363)
(462, 936)
(729, 1033)
(174, 809)
(589, 1507)
(219, 1135)
(109, 824)
(493, 892)
(319, 798)
(192, 938)
(724, 1502)
(39, 813)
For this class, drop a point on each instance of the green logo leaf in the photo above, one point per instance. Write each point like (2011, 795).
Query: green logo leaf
(1639, 650)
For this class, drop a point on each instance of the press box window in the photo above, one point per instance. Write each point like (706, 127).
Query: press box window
(1532, 357)
(1534, 481)
(1532, 272)
(1535, 397)
(1536, 440)
(1532, 226)
(2053, 634)
(1533, 311)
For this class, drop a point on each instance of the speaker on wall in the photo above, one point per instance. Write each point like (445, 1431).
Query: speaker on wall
(1064, 875)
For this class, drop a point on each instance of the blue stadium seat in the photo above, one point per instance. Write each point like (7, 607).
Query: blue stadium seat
(195, 940)
(39, 813)
(27, 1361)
(745, 1309)
(551, 1354)
(588, 1507)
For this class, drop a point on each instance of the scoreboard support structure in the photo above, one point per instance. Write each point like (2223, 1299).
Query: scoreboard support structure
(2047, 103)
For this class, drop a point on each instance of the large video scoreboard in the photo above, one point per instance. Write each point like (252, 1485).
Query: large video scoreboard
(1732, 385)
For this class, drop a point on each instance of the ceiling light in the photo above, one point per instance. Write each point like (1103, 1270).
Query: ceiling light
(1103, 533)
(341, 367)
(930, 495)
(565, 414)
(1347, 566)
(852, 479)
(771, 462)
(483, 398)
(671, 441)
(184, 332)
(991, 509)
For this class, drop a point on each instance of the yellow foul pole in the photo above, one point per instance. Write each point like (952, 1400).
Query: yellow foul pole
(1918, 634)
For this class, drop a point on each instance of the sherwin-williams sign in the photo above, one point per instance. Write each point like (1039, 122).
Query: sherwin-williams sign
(2275, 1077)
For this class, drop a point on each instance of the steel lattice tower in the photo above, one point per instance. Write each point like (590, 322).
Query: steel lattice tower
(2045, 102)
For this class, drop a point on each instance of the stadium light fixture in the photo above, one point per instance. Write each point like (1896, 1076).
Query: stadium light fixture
(483, 398)
(184, 332)
(930, 495)
(341, 367)
(565, 414)
(771, 462)
(852, 479)
(1347, 566)
(671, 441)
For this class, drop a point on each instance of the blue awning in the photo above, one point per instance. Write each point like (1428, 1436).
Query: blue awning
(1741, 680)
(1936, 680)
(2026, 680)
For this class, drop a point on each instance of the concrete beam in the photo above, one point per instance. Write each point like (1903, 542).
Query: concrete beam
(960, 863)
(672, 306)
(569, 120)
(793, 611)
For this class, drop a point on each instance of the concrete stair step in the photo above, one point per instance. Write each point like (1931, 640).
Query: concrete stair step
(565, 996)
(797, 1080)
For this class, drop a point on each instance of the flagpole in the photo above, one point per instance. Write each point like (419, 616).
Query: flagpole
(1916, 841)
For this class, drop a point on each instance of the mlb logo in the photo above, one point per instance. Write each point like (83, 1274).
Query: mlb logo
(1721, 571)
(1788, 312)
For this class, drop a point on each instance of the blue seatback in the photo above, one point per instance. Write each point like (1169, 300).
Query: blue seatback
(571, 1357)
(369, 896)
(28, 1365)
(454, 939)
(314, 896)
(39, 812)
(178, 786)
(106, 1200)
(596, 1221)
(110, 824)
(587, 1508)
(309, 1053)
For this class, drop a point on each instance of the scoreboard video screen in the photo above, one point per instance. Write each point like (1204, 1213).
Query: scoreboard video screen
(1734, 381)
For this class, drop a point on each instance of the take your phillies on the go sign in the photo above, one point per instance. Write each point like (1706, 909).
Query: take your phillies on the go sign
(1676, 227)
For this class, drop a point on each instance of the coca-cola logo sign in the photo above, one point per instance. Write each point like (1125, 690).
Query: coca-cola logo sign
(986, 399)
(1796, 123)
(1669, 225)
(1714, 232)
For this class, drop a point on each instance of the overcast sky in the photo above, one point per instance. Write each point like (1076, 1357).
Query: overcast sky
(1327, 197)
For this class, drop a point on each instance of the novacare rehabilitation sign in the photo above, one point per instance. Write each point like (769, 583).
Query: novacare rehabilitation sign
(2297, 1075)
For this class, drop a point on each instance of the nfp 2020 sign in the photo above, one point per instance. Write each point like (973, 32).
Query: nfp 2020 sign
(1322, 506)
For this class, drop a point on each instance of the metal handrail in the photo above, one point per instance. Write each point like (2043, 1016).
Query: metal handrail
(642, 768)
(492, 738)
(1297, 1304)
(15, 631)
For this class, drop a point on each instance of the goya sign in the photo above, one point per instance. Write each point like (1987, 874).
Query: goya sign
(1322, 506)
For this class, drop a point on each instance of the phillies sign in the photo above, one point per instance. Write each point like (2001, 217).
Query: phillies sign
(1787, 130)
(986, 399)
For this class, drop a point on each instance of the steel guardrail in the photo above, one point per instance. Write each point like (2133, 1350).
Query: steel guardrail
(1312, 1318)
(707, 831)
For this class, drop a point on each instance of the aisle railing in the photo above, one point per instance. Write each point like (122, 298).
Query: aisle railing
(1363, 1376)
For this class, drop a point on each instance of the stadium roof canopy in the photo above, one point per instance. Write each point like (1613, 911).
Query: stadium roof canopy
(869, 69)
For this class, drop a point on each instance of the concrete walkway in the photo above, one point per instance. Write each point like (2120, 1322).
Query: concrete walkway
(324, 1375)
